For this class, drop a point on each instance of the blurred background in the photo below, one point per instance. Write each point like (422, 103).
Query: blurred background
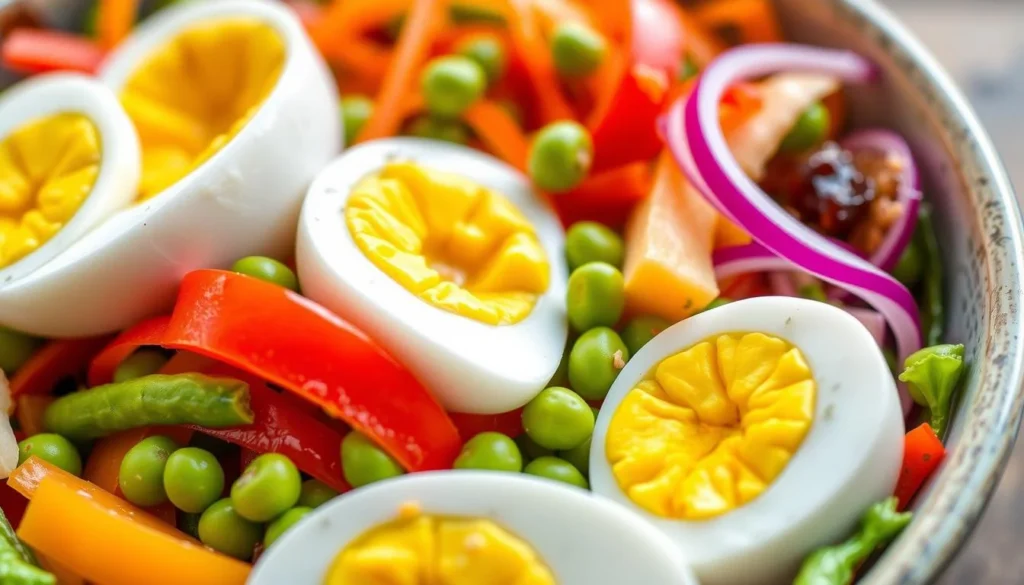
(980, 44)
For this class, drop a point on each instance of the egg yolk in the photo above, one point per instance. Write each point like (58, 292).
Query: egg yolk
(714, 427)
(434, 550)
(194, 94)
(47, 170)
(453, 243)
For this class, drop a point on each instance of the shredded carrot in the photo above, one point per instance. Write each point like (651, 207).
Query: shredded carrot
(701, 45)
(532, 50)
(115, 21)
(31, 408)
(922, 454)
(412, 50)
(753, 20)
(499, 132)
(344, 20)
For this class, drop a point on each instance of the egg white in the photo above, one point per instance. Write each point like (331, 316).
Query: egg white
(583, 539)
(849, 460)
(469, 366)
(119, 166)
(244, 200)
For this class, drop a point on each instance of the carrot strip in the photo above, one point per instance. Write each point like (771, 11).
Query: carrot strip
(115, 21)
(425, 20)
(30, 410)
(499, 132)
(107, 540)
(54, 362)
(922, 454)
(532, 49)
(753, 19)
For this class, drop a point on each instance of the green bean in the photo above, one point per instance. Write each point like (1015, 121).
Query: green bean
(151, 400)
(17, 565)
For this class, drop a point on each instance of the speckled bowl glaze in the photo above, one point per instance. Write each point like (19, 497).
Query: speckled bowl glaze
(979, 227)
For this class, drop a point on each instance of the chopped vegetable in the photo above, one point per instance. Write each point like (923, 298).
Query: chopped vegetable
(835, 565)
(488, 53)
(490, 451)
(53, 449)
(560, 156)
(54, 362)
(595, 296)
(144, 362)
(588, 241)
(355, 111)
(669, 238)
(577, 49)
(151, 400)
(42, 51)
(114, 20)
(426, 126)
(15, 349)
(810, 129)
(932, 375)
(607, 198)
(933, 310)
(17, 564)
(98, 531)
(922, 454)
(267, 270)
(316, 355)
(451, 84)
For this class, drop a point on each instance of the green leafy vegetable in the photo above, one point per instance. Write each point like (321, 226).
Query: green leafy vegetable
(933, 314)
(835, 565)
(17, 564)
(931, 375)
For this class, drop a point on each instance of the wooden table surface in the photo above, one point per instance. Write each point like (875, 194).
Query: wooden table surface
(980, 43)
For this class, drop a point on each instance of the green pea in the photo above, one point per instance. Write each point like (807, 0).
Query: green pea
(810, 129)
(490, 451)
(530, 449)
(561, 375)
(269, 485)
(560, 156)
(141, 477)
(578, 50)
(640, 330)
(224, 530)
(558, 470)
(193, 479)
(281, 524)
(363, 462)
(189, 524)
(451, 84)
(144, 362)
(910, 267)
(589, 241)
(595, 361)
(454, 131)
(488, 54)
(558, 418)
(355, 111)
(15, 349)
(51, 448)
(579, 456)
(269, 270)
(595, 297)
(315, 493)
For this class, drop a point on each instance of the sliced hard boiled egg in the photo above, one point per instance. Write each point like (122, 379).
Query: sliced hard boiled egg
(449, 259)
(471, 528)
(69, 158)
(236, 113)
(750, 434)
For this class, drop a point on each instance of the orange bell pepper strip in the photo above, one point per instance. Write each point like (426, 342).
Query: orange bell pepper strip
(499, 132)
(922, 454)
(754, 20)
(607, 197)
(426, 19)
(290, 341)
(40, 51)
(115, 21)
(104, 539)
(53, 362)
(30, 411)
(64, 575)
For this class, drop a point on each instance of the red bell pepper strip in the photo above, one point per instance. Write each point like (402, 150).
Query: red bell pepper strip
(922, 454)
(607, 197)
(627, 132)
(290, 341)
(470, 425)
(12, 503)
(40, 51)
(55, 361)
(313, 447)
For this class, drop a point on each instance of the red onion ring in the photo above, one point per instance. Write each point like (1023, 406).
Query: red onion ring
(696, 140)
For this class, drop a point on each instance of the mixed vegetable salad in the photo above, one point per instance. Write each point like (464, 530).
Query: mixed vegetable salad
(419, 291)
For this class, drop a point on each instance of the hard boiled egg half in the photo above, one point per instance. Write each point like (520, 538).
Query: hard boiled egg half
(449, 259)
(471, 528)
(235, 112)
(751, 434)
(69, 158)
